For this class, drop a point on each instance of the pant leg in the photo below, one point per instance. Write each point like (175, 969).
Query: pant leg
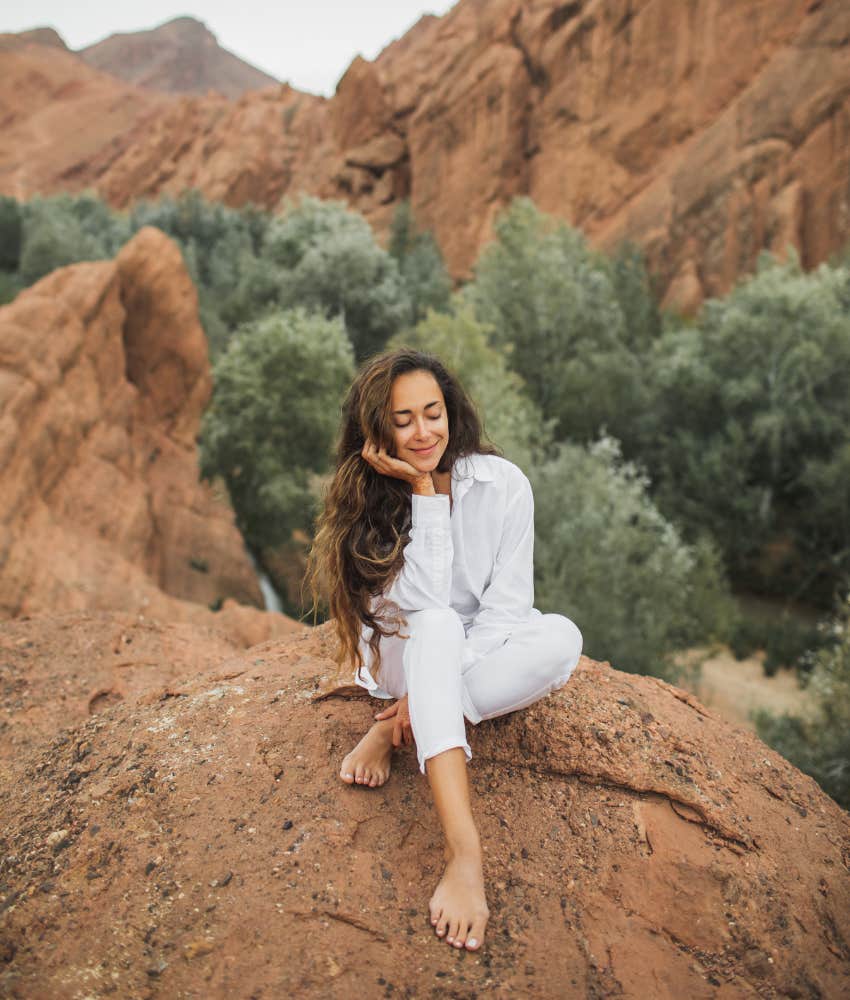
(538, 658)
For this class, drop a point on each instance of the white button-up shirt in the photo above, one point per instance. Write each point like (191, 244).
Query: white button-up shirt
(475, 555)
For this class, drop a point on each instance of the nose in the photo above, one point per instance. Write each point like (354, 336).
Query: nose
(421, 429)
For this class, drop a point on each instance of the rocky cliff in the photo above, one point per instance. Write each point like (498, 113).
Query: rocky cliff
(104, 376)
(58, 115)
(173, 825)
(704, 131)
(181, 56)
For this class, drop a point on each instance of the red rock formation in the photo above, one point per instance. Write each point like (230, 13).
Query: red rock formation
(104, 376)
(181, 56)
(704, 131)
(188, 834)
(58, 115)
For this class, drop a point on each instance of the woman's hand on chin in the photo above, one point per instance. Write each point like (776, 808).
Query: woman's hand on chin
(420, 482)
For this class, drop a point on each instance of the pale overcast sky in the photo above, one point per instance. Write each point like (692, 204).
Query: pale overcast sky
(310, 43)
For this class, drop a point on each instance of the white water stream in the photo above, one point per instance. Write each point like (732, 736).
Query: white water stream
(270, 595)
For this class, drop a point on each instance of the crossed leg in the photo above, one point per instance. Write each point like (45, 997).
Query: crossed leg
(538, 658)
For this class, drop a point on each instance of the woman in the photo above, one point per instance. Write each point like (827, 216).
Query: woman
(425, 550)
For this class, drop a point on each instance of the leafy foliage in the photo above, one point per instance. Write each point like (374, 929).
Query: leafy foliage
(65, 229)
(820, 746)
(328, 260)
(11, 234)
(555, 305)
(420, 264)
(272, 420)
(606, 557)
(750, 411)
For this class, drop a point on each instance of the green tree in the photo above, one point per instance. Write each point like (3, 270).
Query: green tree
(329, 261)
(820, 745)
(65, 229)
(606, 557)
(511, 420)
(272, 420)
(11, 233)
(636, 297)
(751, 409)
(555, 305)
(10, 285)
(420, 263)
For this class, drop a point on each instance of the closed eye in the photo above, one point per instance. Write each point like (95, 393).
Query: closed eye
(430, 416)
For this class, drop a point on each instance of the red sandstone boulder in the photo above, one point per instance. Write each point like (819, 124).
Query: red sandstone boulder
(104, 376)
(182, 831)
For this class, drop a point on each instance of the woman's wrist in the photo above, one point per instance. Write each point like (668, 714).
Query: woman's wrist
(423, 485)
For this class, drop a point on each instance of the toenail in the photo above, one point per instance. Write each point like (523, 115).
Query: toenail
(471, 943)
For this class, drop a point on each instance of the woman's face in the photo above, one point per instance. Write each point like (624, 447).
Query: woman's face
(419, 421)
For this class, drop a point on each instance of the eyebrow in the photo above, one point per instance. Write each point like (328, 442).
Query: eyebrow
(427, 406)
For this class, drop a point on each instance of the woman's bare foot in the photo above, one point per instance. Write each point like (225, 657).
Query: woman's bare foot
(458, 907)
(369, 762)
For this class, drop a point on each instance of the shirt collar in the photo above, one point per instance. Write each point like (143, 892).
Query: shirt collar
(467, 470)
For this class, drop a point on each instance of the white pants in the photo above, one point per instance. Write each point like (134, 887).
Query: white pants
(537, 658)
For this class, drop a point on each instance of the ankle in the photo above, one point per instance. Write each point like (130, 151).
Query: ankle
(384, 728)
(464, 845)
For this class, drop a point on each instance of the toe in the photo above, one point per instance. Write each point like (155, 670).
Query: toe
(346, 772)
(460, 937)
(442, 923)
(476, 934)
(358, 774)
(454, 930)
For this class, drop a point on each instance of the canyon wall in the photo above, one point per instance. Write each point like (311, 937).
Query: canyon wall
(705, 132)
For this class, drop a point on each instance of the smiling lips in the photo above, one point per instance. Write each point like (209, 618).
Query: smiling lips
(425, 451)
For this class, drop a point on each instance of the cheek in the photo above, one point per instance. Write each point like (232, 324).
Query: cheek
(399, 438)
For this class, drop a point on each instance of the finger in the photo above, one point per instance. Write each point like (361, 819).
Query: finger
(369, 453)
(387, 713)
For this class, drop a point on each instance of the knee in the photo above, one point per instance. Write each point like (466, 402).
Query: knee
(442, 622)
(564, 644)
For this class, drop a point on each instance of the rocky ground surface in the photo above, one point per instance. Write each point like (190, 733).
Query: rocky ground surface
(173, 826)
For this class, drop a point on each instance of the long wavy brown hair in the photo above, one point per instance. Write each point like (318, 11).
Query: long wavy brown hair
(365, 524)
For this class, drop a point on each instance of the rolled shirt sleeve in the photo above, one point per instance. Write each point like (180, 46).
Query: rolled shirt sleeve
(425, 579)
(508, 599)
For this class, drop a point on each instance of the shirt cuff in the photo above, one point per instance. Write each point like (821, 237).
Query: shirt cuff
(429, 512)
